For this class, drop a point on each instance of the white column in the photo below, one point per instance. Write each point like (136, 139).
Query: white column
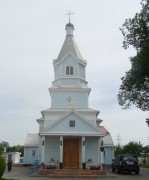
(99, 157)
(43, 149)
(61, 149)
(83, 149)
(101, 152)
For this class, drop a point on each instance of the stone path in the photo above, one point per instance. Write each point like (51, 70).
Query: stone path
(21, 173)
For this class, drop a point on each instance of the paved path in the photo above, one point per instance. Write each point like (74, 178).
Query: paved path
(21, 173)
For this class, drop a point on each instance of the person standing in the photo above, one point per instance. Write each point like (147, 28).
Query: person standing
(9, 163)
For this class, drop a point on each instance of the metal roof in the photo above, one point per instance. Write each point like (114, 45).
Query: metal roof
(69, 47)
(108, 141)
(31, 140)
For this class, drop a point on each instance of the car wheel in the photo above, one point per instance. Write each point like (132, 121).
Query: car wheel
(137, 172)
(113, 169)
(119, 171)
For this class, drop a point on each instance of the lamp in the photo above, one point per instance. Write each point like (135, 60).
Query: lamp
(147, 121)
(61, 142)
(43, 142)
(83, 142)
(102, 143)
(101, 146)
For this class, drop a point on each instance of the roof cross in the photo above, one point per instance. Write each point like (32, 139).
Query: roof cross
(69, 14)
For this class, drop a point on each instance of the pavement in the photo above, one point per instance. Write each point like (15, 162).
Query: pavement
(24, 173)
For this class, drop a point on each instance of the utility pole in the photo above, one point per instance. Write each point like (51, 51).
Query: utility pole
(119, 140)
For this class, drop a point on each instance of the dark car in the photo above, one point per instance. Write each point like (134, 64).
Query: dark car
(126, 162)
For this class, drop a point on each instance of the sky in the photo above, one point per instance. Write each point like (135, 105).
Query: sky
(32, 33)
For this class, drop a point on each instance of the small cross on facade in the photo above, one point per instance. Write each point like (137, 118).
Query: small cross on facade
(69, 14)
(69, 99)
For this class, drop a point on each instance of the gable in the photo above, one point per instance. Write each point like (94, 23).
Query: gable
(81, 126)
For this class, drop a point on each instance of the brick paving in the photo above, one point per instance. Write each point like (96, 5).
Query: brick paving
(22, 173)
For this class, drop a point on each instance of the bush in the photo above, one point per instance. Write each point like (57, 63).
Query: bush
(2, 166)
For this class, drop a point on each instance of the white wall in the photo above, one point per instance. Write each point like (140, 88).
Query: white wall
(91, 149)
(28, 157)
(52, 148)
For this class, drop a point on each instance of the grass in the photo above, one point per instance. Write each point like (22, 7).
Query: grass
(145, 165)
(6, 179)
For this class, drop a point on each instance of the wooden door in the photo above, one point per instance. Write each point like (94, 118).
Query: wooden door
(71, 153)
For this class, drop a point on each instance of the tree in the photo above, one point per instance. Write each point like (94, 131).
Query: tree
(146, 149)
(133, 148)
(17, 148)
(2, 166)
(118, 150)
(3, 145)
(1, 148)
(135, 85)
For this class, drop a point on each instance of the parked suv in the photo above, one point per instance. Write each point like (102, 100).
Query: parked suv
(126, 162)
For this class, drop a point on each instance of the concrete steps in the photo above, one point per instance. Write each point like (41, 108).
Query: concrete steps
(71, 173)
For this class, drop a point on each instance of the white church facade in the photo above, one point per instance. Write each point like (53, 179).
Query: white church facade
(69, 131)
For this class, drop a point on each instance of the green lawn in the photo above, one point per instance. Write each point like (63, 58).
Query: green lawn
(145, 165)
(6, 179)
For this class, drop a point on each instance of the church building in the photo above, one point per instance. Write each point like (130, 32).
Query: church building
(69, 131)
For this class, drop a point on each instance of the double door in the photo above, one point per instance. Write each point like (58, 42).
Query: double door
(71, 153)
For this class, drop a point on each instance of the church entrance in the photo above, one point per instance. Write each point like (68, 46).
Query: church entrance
(71, 153)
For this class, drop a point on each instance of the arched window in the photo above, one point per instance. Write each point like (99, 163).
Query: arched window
(69, 70)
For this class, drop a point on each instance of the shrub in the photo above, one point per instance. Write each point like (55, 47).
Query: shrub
(2, 166)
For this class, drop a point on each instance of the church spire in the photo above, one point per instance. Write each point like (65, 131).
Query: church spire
(69, 46)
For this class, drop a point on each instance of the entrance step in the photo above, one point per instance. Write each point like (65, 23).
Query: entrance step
(71, 173)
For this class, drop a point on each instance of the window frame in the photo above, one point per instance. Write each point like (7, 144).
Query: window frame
(69, 70)
(33, 152)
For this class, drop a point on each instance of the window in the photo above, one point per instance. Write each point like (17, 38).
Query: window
(69, 70)
(72, 123)
(33, 152)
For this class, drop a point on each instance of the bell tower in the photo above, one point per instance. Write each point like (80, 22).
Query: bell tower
(69, 71)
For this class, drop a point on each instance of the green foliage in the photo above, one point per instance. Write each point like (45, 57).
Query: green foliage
(135, 84)
(130, 148)
(133, 148)
(118, 150)
(1, 149)
(136, 30)
(6, 179)
(17, 148)
(2, 145)
(145, 165)
(146, 149)
(2, 166)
